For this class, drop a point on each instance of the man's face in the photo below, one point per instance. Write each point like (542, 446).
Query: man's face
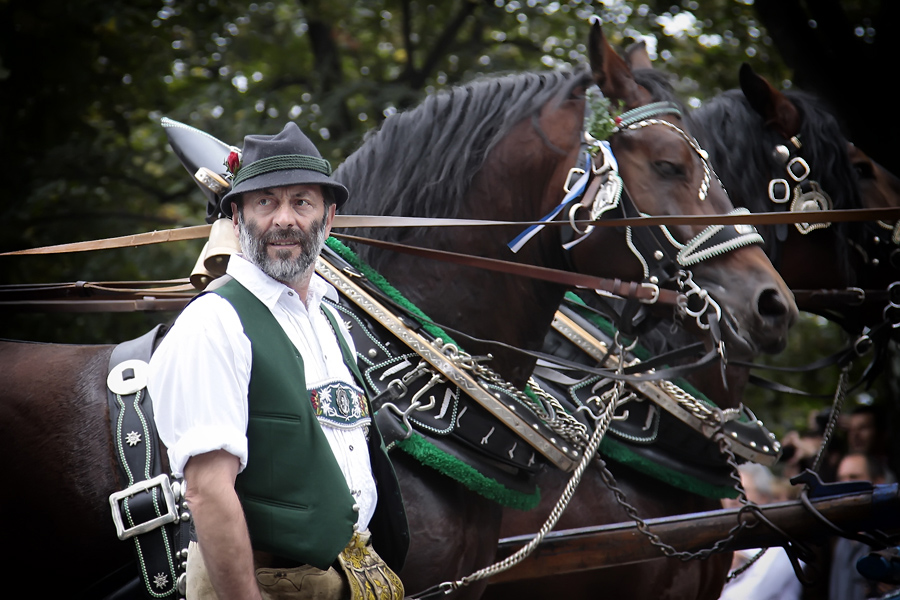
(283, 229)
(861, 432)
(853, 467)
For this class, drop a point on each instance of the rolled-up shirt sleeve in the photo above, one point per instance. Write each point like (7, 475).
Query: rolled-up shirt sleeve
(198, 382)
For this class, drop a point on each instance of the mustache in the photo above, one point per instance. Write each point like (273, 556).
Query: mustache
(284, 235)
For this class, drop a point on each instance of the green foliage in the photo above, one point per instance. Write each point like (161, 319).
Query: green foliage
(84, 83)
(601, 119)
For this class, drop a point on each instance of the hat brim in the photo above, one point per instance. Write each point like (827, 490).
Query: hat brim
(280, 179)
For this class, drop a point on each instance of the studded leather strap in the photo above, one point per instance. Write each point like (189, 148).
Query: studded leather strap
(149, 509)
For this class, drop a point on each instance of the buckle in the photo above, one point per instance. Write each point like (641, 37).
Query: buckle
(170, 515)
(654, 291)
(572, 178)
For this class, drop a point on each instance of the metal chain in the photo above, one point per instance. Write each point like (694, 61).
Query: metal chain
(719, 546)
(705, 413)
(556, 418)
(590, 450)
(839, 395)
(737, 572)
(837, 405)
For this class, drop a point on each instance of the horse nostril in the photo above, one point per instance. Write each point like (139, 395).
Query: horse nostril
(771, 304)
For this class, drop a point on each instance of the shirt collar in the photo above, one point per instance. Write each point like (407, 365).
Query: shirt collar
(269, 290)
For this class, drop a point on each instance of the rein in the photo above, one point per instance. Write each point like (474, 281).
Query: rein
(195, 232)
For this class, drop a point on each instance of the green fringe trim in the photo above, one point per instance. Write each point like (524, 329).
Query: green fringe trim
(419, 447)
(620, 453)
(393, 293)
(447, 464)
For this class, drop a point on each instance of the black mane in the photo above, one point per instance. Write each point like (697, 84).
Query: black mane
(421, 162)
(740, 148)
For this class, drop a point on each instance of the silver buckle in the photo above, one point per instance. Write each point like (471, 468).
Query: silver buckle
(572, 178)
(143, 486)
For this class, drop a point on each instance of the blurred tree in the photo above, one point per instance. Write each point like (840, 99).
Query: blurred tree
(83, 84)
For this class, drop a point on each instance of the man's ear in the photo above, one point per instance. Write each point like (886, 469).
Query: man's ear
(329, 218)
(234, 219)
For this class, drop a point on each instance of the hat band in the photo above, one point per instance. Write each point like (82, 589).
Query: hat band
(282, 163)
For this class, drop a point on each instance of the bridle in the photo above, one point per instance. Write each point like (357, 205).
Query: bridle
(597, 187)
(803, 193)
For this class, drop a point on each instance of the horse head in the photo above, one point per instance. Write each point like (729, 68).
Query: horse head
(665, 172)
(784, 150)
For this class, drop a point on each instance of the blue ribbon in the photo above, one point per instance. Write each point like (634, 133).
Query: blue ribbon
(576, 191)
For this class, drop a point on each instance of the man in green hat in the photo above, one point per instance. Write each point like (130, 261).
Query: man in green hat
(258, 399)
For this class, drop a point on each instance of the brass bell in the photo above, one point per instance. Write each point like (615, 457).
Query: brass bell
(200, 276)
(222, 244)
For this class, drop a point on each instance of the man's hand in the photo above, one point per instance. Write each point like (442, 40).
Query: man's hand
(220, 524)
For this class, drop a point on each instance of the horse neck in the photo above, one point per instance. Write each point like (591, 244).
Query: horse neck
(486, 305)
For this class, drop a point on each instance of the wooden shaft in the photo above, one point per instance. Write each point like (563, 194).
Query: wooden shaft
(617, 544)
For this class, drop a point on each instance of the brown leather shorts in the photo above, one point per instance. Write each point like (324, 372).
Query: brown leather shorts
(360, 573)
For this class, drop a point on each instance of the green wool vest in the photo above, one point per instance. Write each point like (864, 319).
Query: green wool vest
(294, 495)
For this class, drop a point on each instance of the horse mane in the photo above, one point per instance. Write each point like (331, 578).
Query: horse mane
(740, 147)
(421, 162)
(659, 84)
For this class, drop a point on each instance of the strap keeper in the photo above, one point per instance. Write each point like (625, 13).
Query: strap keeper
(170, 516)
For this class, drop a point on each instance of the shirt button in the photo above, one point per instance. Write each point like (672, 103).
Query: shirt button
(356, 507)
(290, 293)
(351, 448)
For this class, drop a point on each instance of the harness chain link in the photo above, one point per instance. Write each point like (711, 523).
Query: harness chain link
(667, 549)
(836, 407)
(603, 423)
(557, 418)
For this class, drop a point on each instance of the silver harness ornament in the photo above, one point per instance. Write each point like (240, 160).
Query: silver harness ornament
(804, 194)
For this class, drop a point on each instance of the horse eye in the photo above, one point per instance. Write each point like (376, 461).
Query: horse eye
(668, 169)
(864, 170)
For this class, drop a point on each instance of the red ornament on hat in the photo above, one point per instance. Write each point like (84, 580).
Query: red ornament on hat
(233, 162)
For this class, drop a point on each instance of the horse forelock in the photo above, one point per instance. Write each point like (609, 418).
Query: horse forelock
(421, 162)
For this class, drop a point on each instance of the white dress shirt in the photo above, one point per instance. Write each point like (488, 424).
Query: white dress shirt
(770, 578)
(200, 374)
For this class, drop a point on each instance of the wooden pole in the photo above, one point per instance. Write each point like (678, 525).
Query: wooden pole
(588, 548)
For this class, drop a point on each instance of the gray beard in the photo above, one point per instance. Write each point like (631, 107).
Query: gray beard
(282, 268)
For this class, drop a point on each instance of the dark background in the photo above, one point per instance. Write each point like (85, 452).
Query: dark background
(84, 83)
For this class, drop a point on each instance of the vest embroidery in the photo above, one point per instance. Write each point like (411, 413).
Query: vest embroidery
(340, 405)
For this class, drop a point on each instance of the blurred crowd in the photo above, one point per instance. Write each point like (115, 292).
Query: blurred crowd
(858, 449)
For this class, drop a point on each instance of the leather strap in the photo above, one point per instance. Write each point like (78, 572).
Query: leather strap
(353, 221)
(148, 510)
(626, 289)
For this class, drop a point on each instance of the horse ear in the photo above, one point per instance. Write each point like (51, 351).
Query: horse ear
(637, 57)
(774, 107)
(611, 73)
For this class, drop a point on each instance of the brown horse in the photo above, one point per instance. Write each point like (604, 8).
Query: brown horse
(497, 149)
(453, 530)
(741, 142)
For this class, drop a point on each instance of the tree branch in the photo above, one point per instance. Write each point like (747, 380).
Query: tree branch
(444, 41)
